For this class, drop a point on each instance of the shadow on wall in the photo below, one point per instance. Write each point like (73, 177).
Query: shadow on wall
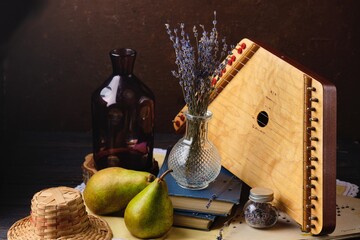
(12, 14)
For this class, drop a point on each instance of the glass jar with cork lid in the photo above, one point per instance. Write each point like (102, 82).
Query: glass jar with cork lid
(258, 210)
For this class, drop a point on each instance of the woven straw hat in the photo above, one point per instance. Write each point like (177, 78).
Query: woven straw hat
(59, 213)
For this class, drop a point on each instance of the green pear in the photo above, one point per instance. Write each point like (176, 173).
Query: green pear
(150, 213)
(111, 189)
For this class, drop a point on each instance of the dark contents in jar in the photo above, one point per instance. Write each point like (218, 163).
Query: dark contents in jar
(260, 215)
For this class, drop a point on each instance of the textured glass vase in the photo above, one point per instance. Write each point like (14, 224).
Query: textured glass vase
(194, 160)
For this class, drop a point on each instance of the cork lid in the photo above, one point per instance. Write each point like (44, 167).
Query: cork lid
(262, 195)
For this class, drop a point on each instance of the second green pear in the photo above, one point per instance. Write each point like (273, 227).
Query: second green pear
(150, 213)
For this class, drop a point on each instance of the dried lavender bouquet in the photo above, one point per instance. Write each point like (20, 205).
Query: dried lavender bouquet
(195, 160)
(197, 66)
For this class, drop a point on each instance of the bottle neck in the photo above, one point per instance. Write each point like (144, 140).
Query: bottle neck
(123, 60)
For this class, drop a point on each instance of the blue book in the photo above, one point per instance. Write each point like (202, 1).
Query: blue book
(218, 198)
(194, 220)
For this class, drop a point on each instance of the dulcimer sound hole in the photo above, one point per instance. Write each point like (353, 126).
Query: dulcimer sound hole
(262, 119)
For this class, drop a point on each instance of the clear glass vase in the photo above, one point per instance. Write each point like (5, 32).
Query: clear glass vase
(194, 160)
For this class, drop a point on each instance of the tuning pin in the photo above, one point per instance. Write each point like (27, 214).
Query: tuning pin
(314, 139)
(311, 109)
(310, 186)
(310, 206)
(312, 158)
(314, 100)
(311, 128)
(311, 89)
(233, 58)
(310, 226)
(214, 81)
(310, 148)
(310, 167)
(313, 198)
(177, 123)
(313, 178)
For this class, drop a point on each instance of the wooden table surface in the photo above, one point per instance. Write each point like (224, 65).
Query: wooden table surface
(41, 160)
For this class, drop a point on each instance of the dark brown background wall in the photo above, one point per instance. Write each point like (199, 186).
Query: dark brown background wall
(55, 53)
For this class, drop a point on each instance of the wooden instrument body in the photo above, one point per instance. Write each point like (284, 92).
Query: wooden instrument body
(275, 126)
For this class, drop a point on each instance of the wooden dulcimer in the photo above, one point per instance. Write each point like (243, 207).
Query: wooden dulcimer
(274, 125)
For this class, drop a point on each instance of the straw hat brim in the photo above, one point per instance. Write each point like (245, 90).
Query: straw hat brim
(98, 229)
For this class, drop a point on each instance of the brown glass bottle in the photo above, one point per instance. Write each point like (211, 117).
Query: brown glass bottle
(123, 117)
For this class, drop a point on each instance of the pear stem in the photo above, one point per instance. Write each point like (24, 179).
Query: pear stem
(164, 174)
(150, 178)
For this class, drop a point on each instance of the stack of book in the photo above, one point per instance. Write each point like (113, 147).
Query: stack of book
(199, 209)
